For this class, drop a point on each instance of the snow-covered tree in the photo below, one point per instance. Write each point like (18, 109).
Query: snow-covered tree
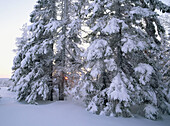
(120, 61)
(68, 55)
(52, 51)
(164, 56)
(37, 63)
(20, 42)
(22, 47)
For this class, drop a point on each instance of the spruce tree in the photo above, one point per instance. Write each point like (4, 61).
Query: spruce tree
(128, 76)
(68, 55)
(22, 48)
(37, 62)
(163, 57)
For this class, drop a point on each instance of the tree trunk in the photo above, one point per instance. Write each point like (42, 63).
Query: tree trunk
(119, 51)
(64, 18)
(61, 87)
(51, 76)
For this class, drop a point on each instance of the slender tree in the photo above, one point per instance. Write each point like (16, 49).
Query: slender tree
(68, 55)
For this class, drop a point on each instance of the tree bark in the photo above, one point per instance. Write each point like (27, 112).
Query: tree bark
(64, 18)
(51, 76)
(61, 87)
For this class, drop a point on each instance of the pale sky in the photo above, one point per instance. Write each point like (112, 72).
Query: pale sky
(13, 14)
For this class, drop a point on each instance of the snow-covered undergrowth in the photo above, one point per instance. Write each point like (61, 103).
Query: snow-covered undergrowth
(66, 113)
(5, 82)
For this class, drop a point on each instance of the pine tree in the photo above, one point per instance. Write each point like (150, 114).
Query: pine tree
(36, 82)
(128, 76)
(163, 57)
(54, 41)
(68, 55)
(20, 42)
(22, 47)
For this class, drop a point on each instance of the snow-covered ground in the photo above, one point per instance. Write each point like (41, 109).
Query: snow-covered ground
(66, 113)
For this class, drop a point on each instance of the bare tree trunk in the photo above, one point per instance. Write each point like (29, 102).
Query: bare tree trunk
(51, 75)
(61, 87)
